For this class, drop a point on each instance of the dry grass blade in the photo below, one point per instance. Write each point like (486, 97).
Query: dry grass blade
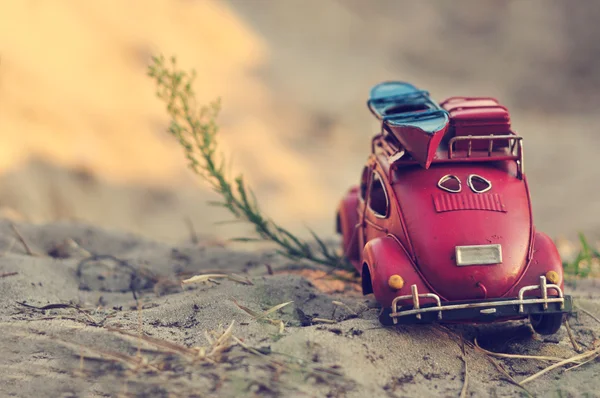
(275, 308)
(23, 241)
(499, 367)
(517, 356)
(583, 363)
(281, 327)
(459, 339)
(463, 391)
(574, 359)
(508, 377)
(594, 317)
(217, 345)
(220, 341)
(269, 269)
(62, 306)
(9, 248)
(134, 362)
(574, 343)
(209, 277)
(163, 344)
(263, 316)
(226, 334)
(256, 352)
(202, 278)
(323, 320)
(282, 364)
(240, 279)
(343, 305)
(193, 235)
(247, 310)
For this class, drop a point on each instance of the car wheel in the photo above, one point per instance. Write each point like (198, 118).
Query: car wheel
(385, 318)
(546, 323)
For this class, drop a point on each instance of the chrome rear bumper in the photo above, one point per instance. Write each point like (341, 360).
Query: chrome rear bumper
(486, 309)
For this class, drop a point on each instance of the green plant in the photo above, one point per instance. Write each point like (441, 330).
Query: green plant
(196, 130)
(582, 264)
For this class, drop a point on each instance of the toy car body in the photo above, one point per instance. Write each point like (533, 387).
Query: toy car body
(440, 227)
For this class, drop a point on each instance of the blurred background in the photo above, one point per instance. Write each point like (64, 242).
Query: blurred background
(82, 136)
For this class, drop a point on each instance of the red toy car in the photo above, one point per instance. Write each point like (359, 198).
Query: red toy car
(440, 227)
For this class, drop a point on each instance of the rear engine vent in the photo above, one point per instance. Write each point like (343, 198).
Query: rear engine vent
(455, 202)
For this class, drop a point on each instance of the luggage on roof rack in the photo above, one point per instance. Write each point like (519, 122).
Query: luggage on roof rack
(418, 123)
(477, 116)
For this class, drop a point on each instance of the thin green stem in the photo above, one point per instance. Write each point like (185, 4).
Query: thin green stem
(196, 131)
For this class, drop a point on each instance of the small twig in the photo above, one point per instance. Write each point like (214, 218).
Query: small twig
(193, 235)
(575, 359)
(323, 320)
(283, 364)
(269, 269)
(458, 339)
(588, 314)
(463, 391)
(500, 355)
(81, 362)
(135, 363)
(508, 377)
(256, 352)
(582, 363)
(139, 346)
(9, 248)
(161, 344)
(62, 306)
(341, 304)
(22, 240)
(499, 367)
(134, 275)
(576, 345)
(210, 278)
(264, 315)
(7, 274)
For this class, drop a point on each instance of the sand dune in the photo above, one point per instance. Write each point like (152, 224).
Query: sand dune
(74, 93)
(293, 77)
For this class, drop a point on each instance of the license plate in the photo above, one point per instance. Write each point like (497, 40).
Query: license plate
(478, 255)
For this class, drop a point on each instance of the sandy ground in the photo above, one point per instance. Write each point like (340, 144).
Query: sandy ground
(113, 349)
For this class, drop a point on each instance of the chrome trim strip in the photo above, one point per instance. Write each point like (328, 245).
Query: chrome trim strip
(521, 301)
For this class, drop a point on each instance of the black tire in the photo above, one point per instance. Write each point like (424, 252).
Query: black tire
(546, 323)
(385, 318)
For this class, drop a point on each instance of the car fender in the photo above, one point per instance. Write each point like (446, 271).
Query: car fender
(545, 259)
(347, 219)
(384, 257)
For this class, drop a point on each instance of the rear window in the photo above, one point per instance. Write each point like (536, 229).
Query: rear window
(378, 199)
